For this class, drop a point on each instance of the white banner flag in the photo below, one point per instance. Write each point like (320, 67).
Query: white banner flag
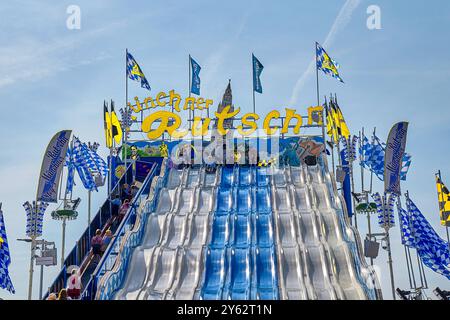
(395, 148)
(52, 166)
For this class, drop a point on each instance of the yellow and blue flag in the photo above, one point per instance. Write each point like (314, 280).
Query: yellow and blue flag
(336, 125)
(257, 70)
(195, 85)
(134, 72)
(326, 64)
(444, 202)
(5, 258)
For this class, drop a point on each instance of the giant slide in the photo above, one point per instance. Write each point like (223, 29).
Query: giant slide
(246, 232)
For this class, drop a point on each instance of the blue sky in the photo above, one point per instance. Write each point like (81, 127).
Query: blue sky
(53, 78)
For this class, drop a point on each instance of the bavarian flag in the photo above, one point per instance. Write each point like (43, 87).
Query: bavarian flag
(116, 129)
(134, 72)
(107, 125)
(5, 257)
(444, 202)
(326, 64)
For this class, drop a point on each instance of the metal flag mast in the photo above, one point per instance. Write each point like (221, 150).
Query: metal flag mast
(423, 279)
(112, 152)
(318, 104)
(338, 142)
(253, 85)
(33, 244)
(386, 226)
(67, 212)
(124, 129)
(364, 193)
(331, 144)
(390, 262)
(409, 266)
(350, 165)
(317, 75)
(371, 171)
(191, 112)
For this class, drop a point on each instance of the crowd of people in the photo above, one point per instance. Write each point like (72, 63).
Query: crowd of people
(120, 205)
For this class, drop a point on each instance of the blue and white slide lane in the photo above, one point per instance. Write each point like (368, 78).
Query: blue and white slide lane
(241, 262)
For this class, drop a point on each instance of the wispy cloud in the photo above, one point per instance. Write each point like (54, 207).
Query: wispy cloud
(31, 59)
(341, 21)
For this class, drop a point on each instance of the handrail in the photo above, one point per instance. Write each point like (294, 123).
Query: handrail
(81, 250)
(89, 290)
(107, 279)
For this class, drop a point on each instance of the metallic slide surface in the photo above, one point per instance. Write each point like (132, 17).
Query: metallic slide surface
(247, 233)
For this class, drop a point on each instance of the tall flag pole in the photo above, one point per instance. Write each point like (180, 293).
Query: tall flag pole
(109, 145)
(257, 68)
(395, 148)
(363, 192)
(48, 185)
(317, 74)
(190, 121)
(409, 263)
(339, 127)
(329, 67)
(134, 72)
(385, 210)
(371, 171)
(329, 125)
(444, 204)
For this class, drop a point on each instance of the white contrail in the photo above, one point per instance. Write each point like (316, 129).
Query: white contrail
(342, 19)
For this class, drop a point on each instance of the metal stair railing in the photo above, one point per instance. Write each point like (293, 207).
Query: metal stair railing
(80, 252)
(109, 276)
